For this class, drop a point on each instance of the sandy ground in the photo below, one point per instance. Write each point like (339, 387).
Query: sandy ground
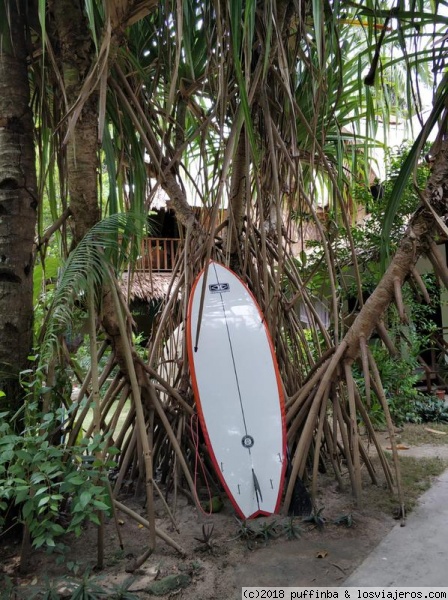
(316, 556)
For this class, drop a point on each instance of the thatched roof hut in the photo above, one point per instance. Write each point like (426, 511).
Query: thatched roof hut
(146, 286)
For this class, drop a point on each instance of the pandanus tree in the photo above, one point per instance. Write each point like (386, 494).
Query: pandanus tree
(258, 107)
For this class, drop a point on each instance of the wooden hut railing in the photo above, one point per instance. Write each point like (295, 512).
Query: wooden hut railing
(158, 254)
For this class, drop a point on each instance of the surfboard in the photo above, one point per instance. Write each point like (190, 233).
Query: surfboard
(238, 392)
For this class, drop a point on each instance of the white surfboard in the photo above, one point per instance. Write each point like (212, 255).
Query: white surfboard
(238, 391)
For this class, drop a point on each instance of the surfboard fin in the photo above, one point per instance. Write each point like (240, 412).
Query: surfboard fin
(257, 489)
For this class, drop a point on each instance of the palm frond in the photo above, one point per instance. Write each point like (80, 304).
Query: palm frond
(104, 250)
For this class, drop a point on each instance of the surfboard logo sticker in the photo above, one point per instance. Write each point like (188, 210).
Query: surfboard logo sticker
(218, 288)
(247, 441)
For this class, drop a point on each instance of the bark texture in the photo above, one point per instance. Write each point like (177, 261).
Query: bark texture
(18, 203)
(237, 197)
(76, 53)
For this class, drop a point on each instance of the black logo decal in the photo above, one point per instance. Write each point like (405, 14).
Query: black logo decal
(247, 441)
(217, 288)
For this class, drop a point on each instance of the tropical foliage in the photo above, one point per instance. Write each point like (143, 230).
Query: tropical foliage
(260, 122)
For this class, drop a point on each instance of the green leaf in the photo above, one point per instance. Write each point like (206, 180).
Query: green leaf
(42, 20)
(43, 501)
(94, 519)
(76, 520)
(89, 8)
(57, 529)
(9, 439)
(84, 499)
(100, 505)
(39, 541)
(318, 17)
(75, 479)
(27, 509)
(37, 478)
(24, 455)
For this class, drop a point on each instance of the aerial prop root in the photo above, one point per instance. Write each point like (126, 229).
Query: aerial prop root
(378, 387)
(439, 268)
(333, 386)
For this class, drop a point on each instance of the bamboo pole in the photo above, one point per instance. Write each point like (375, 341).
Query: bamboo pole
(332, 452)
(161, 534)
(421, 285)
(390, 426)
(105, 404)
(365, 368)
(125, 462)
(399, 300)
(341, 428)
(128, 422)
(305, 438)
(299, 419)
(141, 425)
(174, 443)
(296, 402)
(95, 402)
(367, 422)
(318, 442)
(440, 267)
(354, 437)
(74, 432)
(111, 427)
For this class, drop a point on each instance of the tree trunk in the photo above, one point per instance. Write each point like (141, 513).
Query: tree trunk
(76, 52)
(237, 198)
(18, 203)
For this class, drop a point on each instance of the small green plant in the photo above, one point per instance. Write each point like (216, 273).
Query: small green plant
(252, 533)
(85, 588)
(291, 529)
(344, 520)
(89, 588)
(316, 519)
(268, 530)
(50, 590)
(206, 539)
(6, 587)
(246, 532)
(122, 592)
(428, 409)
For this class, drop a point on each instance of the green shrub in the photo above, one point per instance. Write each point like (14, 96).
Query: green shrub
(44, 480)
(430, 410)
